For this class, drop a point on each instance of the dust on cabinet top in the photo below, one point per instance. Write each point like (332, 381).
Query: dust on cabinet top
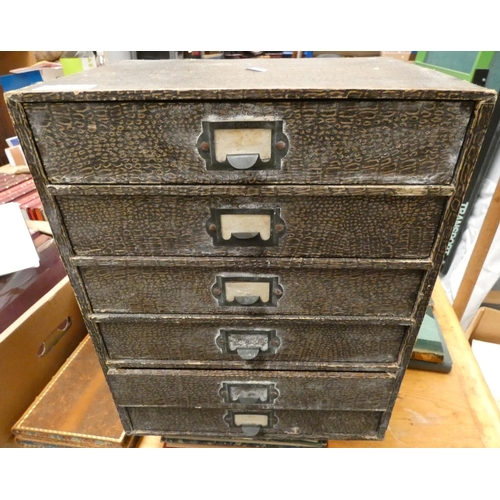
(319, 78)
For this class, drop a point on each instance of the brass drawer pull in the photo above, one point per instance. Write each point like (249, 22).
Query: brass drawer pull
(247, 344)
(247, 291)
(243, 145)
(242, 227)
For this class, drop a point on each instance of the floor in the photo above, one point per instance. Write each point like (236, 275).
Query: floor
(488, 358)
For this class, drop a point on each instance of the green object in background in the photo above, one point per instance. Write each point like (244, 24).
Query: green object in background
(461, 64)
(428, 340)
(493, 79)
(72, 65)
(430, 345)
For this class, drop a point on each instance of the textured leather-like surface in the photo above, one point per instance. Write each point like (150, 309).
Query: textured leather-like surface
(315, 291)
(378, 159)
(343, 226)
(290, 424)
(200, 388)
(331, 142)
(300, 341)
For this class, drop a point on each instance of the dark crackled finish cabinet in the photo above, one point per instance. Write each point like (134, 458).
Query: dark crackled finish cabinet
(253, 251)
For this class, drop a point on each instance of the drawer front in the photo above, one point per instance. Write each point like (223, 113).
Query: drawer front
(282, 226)
(252, 343)
(270, 290)
(248, 391)
(326, 142)
(288, 424)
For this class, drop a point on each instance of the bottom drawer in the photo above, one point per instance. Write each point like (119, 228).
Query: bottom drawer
(287, 424)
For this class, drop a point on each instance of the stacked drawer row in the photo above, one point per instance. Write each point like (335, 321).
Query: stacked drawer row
(352, 211)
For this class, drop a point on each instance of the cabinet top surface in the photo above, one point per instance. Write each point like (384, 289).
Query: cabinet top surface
(323, 78)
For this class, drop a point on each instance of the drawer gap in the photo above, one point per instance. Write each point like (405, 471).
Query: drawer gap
(236, 365)
(294, 190)
(234, 263)
(202, 318)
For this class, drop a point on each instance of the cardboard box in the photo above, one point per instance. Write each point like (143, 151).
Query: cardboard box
(22, 289)
(33, 348)
(15, 156)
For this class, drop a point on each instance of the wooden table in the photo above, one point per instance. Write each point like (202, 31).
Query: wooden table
(442, 410)
(435, 409)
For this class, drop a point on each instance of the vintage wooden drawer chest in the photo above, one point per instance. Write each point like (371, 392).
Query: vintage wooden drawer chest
(253, 243)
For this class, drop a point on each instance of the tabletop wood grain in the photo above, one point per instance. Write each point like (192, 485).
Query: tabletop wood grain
(442, 410)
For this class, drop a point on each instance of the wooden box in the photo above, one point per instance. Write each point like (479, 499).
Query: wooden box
(75, 410)
(253, 251)
(33, 348)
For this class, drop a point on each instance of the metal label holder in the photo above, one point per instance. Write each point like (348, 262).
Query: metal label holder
(249, 160)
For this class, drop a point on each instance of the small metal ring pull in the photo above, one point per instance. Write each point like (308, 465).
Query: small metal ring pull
(247, 354)
(251, 430)
(242, 162)
(244, 236)
(247, 300)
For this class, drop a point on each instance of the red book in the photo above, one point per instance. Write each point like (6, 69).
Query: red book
(37, 207)
(26, 200)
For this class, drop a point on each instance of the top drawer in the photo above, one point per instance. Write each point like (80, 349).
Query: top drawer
(291, 142)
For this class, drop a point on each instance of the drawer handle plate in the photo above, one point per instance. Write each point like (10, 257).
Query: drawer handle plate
(247, 291)
(250, 423)
(247, 344)
(248, 393)
(245, 227)
(243, 145)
